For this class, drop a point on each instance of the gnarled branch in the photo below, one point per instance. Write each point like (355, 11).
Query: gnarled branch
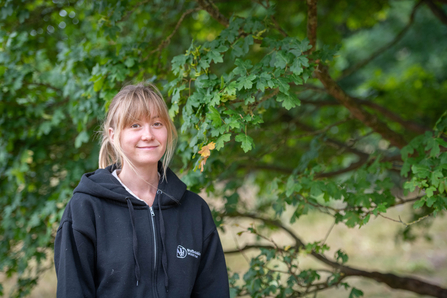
(396, 282)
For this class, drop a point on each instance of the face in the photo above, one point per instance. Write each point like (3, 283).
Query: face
(143, 141)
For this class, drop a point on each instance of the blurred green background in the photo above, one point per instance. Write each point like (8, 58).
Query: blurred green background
(338, 130)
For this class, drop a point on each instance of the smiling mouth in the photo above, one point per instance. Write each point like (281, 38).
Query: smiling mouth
(147, 147)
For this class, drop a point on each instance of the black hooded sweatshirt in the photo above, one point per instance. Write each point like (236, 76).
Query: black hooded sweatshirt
(110, 244)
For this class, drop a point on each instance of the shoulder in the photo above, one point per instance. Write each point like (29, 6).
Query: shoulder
(80, 211)
(197, 209)
(192, 200)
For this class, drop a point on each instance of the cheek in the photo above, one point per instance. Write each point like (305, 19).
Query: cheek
(164, 136)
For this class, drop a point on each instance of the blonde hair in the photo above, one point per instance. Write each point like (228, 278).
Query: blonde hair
(134, 102)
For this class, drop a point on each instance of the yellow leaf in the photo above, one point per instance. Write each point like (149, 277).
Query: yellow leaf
(205, 153)
(287, 248)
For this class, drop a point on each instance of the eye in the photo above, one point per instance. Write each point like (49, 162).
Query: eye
(158, 124)
(135, 125)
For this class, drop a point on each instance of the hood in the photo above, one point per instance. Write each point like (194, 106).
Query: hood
(103, 185)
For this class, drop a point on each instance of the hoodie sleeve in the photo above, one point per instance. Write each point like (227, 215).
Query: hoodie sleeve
(74, 254)
(212, 278)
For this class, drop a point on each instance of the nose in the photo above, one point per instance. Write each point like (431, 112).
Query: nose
(147, 133)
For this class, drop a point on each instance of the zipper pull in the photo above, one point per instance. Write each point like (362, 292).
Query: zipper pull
(152, 211)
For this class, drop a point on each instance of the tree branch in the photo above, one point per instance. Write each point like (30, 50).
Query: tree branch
(246, 247)
(351, 167)
(437, 11)
(212, 9)
(167, 41)
(408, 124)
(416, 127)
(332, 142)
(312, 22)
(356, 110)
(277, 26)
(348, 71)
(393, 281)
(338, 93)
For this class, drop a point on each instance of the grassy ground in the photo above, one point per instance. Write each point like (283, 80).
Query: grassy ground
(373, 248)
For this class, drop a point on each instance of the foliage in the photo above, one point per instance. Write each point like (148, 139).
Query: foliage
(252, 107)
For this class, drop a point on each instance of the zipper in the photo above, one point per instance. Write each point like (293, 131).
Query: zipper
(155, 237)
(154, 276)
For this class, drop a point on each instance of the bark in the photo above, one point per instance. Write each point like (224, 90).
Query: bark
(393, 281)
(312, 23)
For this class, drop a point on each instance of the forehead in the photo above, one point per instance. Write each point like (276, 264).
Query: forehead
(140, 112)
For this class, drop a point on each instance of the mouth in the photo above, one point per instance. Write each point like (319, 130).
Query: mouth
(147, 147)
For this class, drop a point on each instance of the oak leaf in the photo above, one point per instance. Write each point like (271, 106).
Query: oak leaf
(205, 153)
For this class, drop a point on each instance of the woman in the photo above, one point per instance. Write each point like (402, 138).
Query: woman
(131, 228)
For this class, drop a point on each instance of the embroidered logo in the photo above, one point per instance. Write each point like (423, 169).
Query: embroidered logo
(181, 252)
(184, 252)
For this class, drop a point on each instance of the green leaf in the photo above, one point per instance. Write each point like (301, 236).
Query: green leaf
(431, 200)
(283, 85)
(341, 256)
(355, 293)
(429, 192)
(248, 81)
(242, 66)
(247, 142)
(81, 138)
(98, 84)
(419, 204)
(296, 67)
(214, 115)
(215, 56)
(281, 59)
(221, 141)
(129, 62)
(442, 187)
(290, 186)
(288, 101)
(421, 171)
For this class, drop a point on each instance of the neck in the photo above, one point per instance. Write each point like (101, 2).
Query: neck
(140, 181)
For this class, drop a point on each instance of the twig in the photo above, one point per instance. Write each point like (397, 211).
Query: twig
(272, 18)
(241, 251)
(328, 233)
(167, 41)
(316, 132)
(126, 17)
(381, 50)
(405, 223)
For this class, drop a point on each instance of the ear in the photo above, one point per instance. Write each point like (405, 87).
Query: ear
(111, 134)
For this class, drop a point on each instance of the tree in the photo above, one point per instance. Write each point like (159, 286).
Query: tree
(308, 102)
